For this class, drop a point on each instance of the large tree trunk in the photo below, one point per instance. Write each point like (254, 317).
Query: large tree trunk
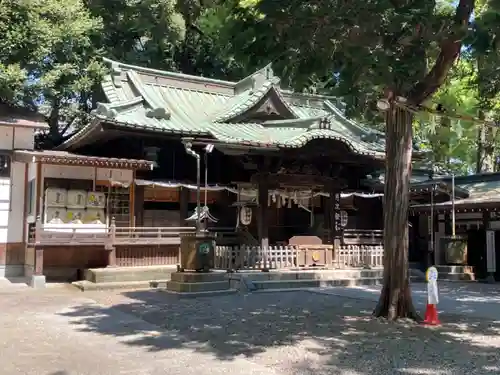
(395, 300)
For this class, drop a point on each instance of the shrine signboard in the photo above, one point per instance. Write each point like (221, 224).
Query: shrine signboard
(337, 217)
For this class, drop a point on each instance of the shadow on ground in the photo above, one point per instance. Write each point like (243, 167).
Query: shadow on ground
(296, 332)
(458, 298)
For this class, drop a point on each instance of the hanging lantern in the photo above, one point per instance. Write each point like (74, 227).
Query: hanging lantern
(245, 215)
(344, 218)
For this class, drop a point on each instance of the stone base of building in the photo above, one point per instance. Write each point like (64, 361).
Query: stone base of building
(10, 270)
(12, 259)
(37, 282)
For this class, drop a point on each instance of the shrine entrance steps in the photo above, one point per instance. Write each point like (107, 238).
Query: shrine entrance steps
(305, 279)
(456, 273)
(111, 278)
(446, 273)
(218, 282)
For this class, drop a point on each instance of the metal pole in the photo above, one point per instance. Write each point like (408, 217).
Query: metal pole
(191, 152)
(198, 192)
(453, 205)
(432, 219)
(206, 177)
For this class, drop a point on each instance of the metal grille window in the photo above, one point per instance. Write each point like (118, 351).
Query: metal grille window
(118, 204)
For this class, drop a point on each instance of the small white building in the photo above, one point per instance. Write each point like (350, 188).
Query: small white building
(17, 132)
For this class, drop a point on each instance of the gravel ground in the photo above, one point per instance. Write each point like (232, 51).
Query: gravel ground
(298, 333)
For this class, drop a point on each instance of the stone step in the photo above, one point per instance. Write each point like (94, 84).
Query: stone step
(287, 284)
(311, 275)
(86, 285)
(213, 293)
(125, 274)
(455, 269)
(198, 277)
(417, 275)
(457, 276)
(210, 286)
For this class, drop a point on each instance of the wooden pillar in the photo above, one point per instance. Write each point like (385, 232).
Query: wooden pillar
(39, 190)
(327, 206)
(38, 261)
(263, 225)
(491, 261)
(38, 266)
(110, 246)
(139, 205)
(447, 224)
(183, 205)
(436, 242)
(429, 260)
(486, 220)
(26, 201)
(132, 217)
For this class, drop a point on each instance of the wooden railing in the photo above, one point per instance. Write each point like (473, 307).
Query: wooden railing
(283, 257)
(363, 236)
(229, 236)
(89, 234)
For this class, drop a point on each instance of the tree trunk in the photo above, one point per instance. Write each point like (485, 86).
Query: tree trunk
(395, 300)
(485, 162)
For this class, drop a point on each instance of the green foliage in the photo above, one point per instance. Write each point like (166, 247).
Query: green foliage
(48, 55)
(50, 49)
(341, 47)
(452, 143)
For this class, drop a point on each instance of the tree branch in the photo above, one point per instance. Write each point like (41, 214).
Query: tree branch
(450, 49)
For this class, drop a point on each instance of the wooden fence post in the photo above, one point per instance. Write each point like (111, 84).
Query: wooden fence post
(38, 229)
(111, 244)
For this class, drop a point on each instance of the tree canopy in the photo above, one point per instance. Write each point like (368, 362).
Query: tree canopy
(51, 49)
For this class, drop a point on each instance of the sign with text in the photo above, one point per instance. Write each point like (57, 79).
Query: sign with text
(432, 289)
(337, 221)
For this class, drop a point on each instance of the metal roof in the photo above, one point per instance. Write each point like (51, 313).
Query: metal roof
(166, 102)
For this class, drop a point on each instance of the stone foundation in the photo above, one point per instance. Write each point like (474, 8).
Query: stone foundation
(12, 259)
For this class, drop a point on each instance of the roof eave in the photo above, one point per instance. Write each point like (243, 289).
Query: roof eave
(27, 156)
(78, 139)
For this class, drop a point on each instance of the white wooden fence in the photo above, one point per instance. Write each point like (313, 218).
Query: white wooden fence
(255, 257)
(282, 257)
(359, 256)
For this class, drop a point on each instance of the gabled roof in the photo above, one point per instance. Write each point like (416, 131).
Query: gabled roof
(20, 117)
(229, 112)
(483, 189)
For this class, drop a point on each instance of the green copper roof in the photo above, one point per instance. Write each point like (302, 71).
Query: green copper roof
(230, 112)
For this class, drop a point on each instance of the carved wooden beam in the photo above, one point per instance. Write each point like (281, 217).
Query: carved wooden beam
(298, 180)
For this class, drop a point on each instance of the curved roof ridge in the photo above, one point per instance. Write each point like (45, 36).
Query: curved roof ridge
(255, 96)
(158, 106)
(293, 123)
(110, 110)
(268, 75)
(165, 73)
(350, 123)
(287, 92)
(243, 105)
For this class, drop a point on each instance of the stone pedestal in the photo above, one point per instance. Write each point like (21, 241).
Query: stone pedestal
(197, 252)
(37, 281)
(196, 283)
